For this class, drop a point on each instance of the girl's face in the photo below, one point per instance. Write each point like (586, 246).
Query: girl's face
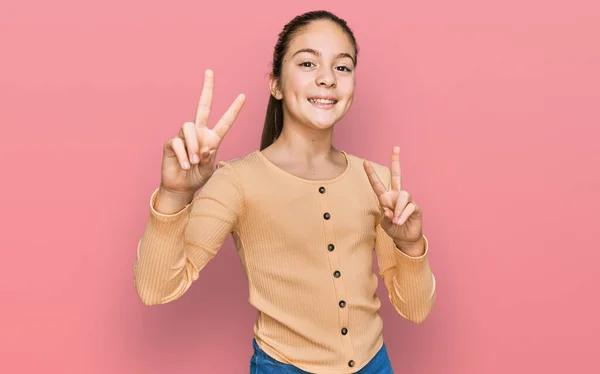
(317, 76)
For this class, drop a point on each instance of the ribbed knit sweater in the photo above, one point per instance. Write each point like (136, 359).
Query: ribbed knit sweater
(306, 247)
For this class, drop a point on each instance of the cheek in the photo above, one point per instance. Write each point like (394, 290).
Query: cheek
(348, 92)
(296, 83)
(347, 86)
(350, 100)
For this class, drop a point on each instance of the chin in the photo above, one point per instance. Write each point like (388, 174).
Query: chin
(324, 120)
(323, 123)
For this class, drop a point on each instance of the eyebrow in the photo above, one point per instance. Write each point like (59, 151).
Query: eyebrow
(317, 53)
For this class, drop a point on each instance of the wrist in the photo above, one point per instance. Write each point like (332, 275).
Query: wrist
(170, 202)
(412, 249)
(183, 196)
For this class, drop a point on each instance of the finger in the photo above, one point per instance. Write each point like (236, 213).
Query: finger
(181, 134)
(396, 172)
(410, 209)
(205, 102)
(403, 200)
(191, 142)
(178, 146)
(225, 123)
(376, 183)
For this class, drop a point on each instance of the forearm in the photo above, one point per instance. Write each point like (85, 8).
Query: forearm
(162, 272)
(412, 283)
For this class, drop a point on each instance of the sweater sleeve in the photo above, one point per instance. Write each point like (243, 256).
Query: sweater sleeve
(409, 280)
(175, 247)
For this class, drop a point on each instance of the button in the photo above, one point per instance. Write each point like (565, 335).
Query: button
(330, 247)
(351, 363)
(344, 331)
(326, 215)
(337, 274)
(342, 303)
(322, 189)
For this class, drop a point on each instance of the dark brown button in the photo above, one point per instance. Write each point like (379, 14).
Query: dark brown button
(326, 215)
(337, 274)
(351, 363)
(322, 189)
(344, 331)
(342, 303)
(330, 247)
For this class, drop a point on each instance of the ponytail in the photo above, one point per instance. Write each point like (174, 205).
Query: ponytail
(273, 122)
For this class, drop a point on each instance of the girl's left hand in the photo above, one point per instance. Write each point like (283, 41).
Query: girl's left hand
(402, 219)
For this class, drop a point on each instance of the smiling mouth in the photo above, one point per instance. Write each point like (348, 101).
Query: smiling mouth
(324, 102)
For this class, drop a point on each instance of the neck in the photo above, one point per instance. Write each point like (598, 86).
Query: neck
(305, 143)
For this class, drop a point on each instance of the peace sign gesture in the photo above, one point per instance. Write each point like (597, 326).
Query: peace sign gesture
(402, 219)
(189, 157)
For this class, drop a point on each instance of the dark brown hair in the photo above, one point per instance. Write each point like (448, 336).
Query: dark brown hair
(274, 118)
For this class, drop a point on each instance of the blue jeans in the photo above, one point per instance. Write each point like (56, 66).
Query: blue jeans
(261, 363)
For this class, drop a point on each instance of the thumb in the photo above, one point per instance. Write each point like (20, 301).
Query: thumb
(388, 213)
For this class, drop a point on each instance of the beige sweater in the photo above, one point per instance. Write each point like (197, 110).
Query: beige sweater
(306, 248)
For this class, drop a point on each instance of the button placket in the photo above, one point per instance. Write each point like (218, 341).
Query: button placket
(332, 251)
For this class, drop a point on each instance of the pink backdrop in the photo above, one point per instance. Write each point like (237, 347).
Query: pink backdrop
(495, 107)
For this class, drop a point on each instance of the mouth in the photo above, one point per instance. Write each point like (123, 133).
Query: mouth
(322, 102)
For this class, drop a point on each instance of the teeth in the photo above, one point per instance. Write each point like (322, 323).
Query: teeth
(321, 101)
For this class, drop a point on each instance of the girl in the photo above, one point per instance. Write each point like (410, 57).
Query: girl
(305, 216)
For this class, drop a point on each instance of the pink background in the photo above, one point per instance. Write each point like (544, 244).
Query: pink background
(494, 104)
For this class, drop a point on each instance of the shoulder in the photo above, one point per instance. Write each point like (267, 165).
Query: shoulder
(243, 168)
(228, 178)
(238, 163)
(357, 161)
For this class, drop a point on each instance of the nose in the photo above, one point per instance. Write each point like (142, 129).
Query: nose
(326, 78)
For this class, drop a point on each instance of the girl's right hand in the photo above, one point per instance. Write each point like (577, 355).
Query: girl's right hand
(189, 157)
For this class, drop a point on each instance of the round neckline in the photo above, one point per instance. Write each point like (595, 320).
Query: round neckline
(304, 180)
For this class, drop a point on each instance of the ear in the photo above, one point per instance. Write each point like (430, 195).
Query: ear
(274, 88)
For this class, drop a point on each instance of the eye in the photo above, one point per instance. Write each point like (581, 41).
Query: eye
(344, 68)
(306, 64)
